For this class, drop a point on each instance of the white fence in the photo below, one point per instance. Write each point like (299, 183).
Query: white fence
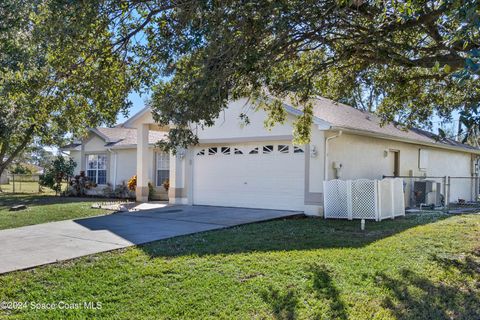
(364, 199)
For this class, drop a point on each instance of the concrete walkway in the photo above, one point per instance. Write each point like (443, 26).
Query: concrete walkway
(36, 245)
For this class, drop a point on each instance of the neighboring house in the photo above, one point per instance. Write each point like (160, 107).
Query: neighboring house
(249, 166)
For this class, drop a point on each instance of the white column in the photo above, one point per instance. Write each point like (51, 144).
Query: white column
(177, 192)
(142, 163)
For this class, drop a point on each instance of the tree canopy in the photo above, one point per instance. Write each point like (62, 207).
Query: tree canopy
(66, 65)
(59, 73)
(418, 58)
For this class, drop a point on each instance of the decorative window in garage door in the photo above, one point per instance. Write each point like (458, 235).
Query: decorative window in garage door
(225, 150)
(297, 150)
(267, 149)
(283, 148)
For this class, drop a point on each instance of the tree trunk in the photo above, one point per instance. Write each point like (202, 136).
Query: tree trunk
(26, 140)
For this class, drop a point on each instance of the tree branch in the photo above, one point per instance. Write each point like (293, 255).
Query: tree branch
(27, 138)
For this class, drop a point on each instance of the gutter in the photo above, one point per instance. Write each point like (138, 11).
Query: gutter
(327, 140)
(406, 140)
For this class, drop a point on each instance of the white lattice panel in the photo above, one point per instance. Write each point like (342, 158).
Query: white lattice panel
(385, 194)
(398, 198)
(364, 199)
(335, 199)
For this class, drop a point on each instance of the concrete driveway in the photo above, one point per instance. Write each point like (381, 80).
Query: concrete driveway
(31, 246)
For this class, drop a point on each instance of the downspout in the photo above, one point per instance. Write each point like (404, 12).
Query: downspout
(475, 176)
(327, 140)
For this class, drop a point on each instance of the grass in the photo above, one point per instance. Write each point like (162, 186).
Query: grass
(27, 187)
(43, 208)
(418, 267)
(24, 187)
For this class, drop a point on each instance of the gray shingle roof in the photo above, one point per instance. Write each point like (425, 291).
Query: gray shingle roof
(342, 116)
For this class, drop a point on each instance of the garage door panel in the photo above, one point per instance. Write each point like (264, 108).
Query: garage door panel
(271, 181)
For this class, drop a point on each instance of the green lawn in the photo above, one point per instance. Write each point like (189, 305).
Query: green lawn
(27, 187)
(43, 208)
(419, 267)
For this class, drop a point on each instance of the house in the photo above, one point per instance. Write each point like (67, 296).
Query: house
(241, 165)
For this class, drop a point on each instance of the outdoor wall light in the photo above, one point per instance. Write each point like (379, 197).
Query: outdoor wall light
(313, 151)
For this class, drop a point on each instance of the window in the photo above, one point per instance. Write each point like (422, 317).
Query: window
(163, 168)
(97, 168)
(201, 152)
(237, 151)
(267, 149)
(254, 151)
(422, 159)
(297, 150)
(283, 148)
(225, 150)
(212, 151)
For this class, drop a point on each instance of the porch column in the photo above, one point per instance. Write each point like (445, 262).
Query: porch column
(177, 193)
(142, 163)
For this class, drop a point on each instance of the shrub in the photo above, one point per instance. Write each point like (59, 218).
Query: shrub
(132, 183)
(166, 184)
(20, 169)
(80, 184)
(151, 191)
(123, 191)
(58, 171)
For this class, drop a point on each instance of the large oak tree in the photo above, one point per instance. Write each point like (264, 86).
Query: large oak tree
(419, 57)
(59, 73)
(65, 65)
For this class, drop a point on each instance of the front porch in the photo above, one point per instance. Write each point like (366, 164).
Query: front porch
(166, 166)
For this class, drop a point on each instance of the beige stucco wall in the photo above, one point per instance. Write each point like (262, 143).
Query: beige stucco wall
(76, 156)
(364, 157)
(94, 144)
(316, 162)
(126, 164)
(229, 125)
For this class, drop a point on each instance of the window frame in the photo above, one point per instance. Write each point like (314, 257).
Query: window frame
(96, 169)
(161, 156)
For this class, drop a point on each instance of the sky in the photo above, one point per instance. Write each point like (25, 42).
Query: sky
(138, 102)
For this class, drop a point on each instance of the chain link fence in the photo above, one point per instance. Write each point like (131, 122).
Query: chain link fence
(24, 184)
(463, 194)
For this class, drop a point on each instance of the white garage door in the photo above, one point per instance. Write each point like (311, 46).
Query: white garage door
(267, 175)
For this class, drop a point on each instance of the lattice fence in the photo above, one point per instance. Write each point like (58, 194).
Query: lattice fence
(364, 199)
(336, 199)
